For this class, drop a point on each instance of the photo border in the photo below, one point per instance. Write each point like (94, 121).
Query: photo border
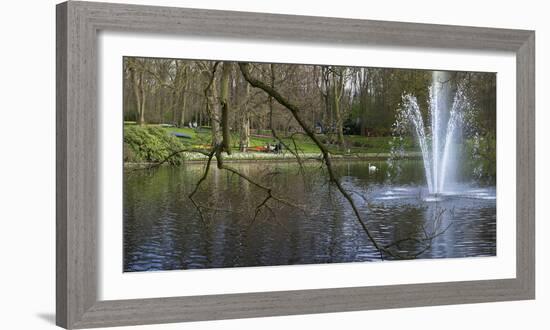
(77, 188)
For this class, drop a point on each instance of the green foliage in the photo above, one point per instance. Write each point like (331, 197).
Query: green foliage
(151, 144)
(482, 162)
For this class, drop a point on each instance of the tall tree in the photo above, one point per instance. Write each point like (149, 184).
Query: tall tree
(224, 106)
(183, 70)
(212, 104)
(244, 140)
(338, 84)
(137, 76)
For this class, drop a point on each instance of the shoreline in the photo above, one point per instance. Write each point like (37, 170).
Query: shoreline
(243, 157)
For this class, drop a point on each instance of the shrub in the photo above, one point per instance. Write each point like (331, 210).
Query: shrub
(151, 145)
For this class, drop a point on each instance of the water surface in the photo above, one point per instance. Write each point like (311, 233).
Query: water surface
(163, 230)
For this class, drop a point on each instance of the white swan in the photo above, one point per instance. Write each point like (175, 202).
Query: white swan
(372, 168)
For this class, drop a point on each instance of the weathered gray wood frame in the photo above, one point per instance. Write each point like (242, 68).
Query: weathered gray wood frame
(77, 182)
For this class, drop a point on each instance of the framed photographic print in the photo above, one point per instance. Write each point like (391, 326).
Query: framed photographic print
(216, 165)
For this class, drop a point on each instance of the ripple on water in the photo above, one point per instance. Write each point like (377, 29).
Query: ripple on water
(162, 230)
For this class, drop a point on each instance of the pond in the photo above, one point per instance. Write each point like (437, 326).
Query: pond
(163, 229)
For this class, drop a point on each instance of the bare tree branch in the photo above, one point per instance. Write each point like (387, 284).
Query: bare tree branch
(201, 180)
(296, 112)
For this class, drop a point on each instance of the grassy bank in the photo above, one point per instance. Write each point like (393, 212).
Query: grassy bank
(354, 143)
(153, 143)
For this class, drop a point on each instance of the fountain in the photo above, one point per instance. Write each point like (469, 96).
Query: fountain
(437, 147)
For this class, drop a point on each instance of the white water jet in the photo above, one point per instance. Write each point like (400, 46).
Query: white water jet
(438, 151)
(434, 112)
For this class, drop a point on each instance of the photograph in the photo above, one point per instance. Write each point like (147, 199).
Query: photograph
(275, 165)
(239, 164)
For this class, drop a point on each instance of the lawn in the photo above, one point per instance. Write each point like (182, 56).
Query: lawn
(354, 143)
(154, 144)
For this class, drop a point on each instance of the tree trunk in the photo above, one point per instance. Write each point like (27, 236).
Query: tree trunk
(173, 107)
(327, 118)
(337, 91)
(364, 101)
(224, 106)
(141, 108)
(183, 97)
(137, 85)
(244, 142)
(182, 109)
(245, 122)
(160, 105)
(215, 115)
(211, 93)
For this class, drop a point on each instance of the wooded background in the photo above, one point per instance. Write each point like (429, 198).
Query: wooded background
(335, 101)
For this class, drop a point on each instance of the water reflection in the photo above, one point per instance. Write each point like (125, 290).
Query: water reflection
(163, 231)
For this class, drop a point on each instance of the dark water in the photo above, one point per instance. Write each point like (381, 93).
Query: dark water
(163, 230)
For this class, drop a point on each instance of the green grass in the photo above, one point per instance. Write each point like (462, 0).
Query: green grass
(201, 138)
(153, 143)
